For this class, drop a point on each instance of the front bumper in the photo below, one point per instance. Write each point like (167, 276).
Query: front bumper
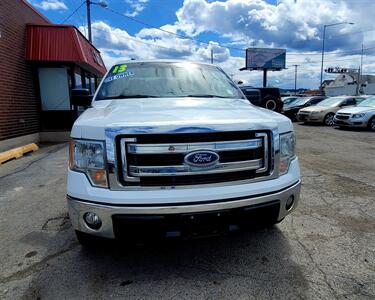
(310, 118)
(358, 122)
(111, 215)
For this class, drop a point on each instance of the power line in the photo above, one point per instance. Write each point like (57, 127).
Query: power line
(172, 33)
(80, 15)
(330, 53)
(354, 32)
(136, 40)
(68, 17)
(349, 52)
(215, 43)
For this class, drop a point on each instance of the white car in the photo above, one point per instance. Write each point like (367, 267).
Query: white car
(362, 115)
(174, 149)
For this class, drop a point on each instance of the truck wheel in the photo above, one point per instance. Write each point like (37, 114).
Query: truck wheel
(271, 104)
(371, 124)
(328, 119)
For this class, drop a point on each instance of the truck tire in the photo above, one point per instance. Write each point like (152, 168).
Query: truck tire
(270, 103)
(371, 124)
(328, 119)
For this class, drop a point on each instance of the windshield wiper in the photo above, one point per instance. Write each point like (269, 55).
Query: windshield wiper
(205, 96)
(127, 97)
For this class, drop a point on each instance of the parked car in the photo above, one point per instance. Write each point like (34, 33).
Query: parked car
(362, 115)
(264, 97)
(325, 111)
(291, 110)
(290, 99)
(171, 148)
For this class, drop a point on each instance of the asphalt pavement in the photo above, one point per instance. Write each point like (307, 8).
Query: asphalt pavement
(324, 250)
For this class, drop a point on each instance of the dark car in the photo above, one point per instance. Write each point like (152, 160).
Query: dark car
(292, 109)
(269, 98)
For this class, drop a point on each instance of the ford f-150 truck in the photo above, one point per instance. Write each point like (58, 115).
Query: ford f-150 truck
(171, 148)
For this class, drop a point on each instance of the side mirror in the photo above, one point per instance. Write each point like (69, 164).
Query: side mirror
(81, 97)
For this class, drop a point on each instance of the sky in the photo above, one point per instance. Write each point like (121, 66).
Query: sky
(189, 29)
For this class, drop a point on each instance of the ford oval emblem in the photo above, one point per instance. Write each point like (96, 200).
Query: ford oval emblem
(201, 158)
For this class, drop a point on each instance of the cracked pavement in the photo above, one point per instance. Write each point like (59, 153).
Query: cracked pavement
(324, 250)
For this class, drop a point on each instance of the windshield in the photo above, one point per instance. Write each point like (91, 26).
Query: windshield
(290, 100)
(368, 102)
(332, 102)
(301, 101)
(165, 79)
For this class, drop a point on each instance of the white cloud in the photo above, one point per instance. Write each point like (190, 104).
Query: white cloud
(137, 6)
(296, 25)
(151, 44)
(51, 5)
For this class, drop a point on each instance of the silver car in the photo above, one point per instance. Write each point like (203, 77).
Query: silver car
(362, 115)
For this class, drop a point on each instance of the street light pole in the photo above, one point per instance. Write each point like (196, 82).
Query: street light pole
(321, 67)
(295, 79)
(324, 36)
(101, 3)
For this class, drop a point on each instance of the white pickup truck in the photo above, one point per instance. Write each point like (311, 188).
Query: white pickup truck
(174, 149)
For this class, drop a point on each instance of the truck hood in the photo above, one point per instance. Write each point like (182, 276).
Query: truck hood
(173, 115)
(356, 109)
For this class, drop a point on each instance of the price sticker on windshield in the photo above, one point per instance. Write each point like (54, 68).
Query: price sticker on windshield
(119, 69)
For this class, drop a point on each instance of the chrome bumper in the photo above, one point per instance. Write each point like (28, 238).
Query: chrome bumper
(351, 122)
(78, 207)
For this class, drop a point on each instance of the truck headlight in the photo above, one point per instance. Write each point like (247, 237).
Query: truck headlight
(357, 116)
(287, 151)
(88, 157)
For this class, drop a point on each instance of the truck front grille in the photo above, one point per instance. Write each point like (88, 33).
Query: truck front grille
(158, 159)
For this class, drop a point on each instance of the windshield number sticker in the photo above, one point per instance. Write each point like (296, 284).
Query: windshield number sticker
(119, 69)
(118, 76)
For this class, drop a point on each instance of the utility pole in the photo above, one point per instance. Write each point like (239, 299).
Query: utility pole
(264, 77)
(88, 3)
(212, 56)
(321, 67)
(358, 81)
(295, 79)
(101, 3)
(362, 61)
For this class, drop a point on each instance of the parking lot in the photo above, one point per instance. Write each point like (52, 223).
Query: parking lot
(324, 250)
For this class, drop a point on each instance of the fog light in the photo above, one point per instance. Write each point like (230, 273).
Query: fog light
(289, 202)
(92, 220)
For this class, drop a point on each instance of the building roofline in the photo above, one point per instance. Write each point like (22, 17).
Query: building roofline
(36, 11)
(63, 26)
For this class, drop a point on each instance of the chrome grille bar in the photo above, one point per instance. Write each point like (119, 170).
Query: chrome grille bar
(187, 147)
(181, 170)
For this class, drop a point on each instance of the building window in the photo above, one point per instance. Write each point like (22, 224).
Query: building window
(78, 81)
(54, 89)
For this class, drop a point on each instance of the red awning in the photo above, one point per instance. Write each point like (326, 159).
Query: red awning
(62, 43)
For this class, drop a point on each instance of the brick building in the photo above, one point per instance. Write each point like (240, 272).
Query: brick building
(40, 63)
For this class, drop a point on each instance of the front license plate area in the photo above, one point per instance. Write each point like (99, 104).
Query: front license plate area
(203, 224)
